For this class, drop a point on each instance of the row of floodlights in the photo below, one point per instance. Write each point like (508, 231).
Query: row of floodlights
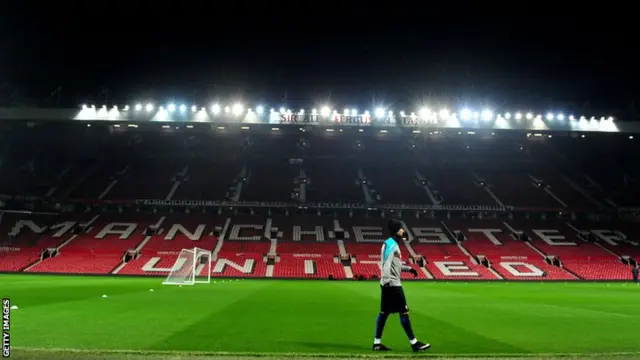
(424, 113)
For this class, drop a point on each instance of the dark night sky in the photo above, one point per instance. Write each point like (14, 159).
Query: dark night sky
(545, 55)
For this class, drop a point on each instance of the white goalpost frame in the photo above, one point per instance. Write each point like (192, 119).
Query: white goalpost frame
(193, 276)
(208, 266)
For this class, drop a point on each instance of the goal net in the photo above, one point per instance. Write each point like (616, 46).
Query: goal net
(193, 266)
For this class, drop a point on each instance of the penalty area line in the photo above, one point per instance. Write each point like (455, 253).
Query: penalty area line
(227, 354)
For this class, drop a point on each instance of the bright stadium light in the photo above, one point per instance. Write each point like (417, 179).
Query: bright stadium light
(172, 107)
(366, 113)
(346, 112)
(149, 107)
(549, 116)
(215, 109)
(227, 109)
(282, 110)
(84, 106)
(379, 112)
(314, 111)
(610, 118)
(402, 113)
(529, 116)
(183, 108)
(487, 115)
(572, 118)
(465, 114)
(354, 112)
(390, 113)
(424, 112)
(260, 109)
(237, 109)
(507, 116)
(518, 116)
(325, 111)
(126, 108)
(138, 107)
(560, 117)
(194, 108)
(301, 112)
(444, 114)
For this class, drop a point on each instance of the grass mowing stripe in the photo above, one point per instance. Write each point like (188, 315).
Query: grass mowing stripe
(431, 326)
(335, 319)
(434, 325)
(147, 355)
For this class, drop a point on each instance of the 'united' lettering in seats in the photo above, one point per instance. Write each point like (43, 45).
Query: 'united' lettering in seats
(343, 247)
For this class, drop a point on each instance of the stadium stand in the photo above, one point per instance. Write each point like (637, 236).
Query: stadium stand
(457, 186)
(160, 249)
(559, 239)
(207, 179)
(100, 248)
(300, 235)
(314, 204)
(335, 181)
(397, 184)
(270, 180)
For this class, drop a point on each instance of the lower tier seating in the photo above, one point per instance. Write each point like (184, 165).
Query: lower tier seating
(75, 263)
(598, 270)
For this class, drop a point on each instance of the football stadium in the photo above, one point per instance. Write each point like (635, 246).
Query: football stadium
(221, 231)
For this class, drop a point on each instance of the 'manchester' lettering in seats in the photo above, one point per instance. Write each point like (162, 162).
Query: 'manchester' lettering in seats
(257, 247)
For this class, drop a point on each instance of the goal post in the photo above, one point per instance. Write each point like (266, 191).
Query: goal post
(202, 274)
(193, 266)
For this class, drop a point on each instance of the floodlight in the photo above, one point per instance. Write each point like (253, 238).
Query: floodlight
(487, 115)
(465, 114)
(237, 109)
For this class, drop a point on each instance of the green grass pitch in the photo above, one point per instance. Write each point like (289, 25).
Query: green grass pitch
(314, 318)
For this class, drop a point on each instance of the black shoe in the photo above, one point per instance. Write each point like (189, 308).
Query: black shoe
(380, 347)
(420, 346)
